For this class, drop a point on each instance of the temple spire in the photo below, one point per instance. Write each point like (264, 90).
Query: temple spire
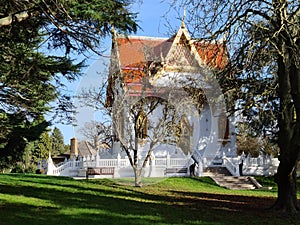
(183, 18)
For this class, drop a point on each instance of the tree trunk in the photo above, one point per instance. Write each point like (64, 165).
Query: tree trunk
(286, 176)
(137, 177)
(289, 127)
(286, 180)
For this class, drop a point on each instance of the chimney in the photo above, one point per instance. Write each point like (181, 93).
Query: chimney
(74, 148)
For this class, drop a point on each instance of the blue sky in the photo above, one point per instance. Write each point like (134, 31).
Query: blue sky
(152, 18)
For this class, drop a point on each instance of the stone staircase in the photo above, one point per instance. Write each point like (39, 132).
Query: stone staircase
(216, 171)
(224, 179)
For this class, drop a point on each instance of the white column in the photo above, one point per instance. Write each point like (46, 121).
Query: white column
(200, 168)
(118, 160)
(97, 159)
(50, 165)
(168, 160)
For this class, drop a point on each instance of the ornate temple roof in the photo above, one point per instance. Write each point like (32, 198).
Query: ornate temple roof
(138, 58)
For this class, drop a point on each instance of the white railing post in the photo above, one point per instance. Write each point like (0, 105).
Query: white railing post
(74, 162)
(97, 159)
(50, 166)
(200, 168)
(168, 160)
(223, 159)
(248, 159)
(118, 160)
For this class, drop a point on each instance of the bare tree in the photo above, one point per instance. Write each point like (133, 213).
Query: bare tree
(154, 90)
(97, 132)
(143, 123)
(263, 38)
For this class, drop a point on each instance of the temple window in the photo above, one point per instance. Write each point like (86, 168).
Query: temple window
(223, 125)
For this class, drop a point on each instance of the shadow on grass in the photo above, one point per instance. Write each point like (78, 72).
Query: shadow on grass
(37, 199)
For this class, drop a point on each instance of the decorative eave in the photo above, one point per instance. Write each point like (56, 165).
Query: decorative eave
(183, 34)
(139, 62)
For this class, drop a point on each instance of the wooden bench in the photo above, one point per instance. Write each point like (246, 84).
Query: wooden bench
(100, 171)
(176, 170)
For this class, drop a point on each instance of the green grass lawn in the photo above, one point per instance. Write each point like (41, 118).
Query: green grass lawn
(40, 199)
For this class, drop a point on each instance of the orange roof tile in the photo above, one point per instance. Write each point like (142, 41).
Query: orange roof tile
(136, 53)
(134, 50)
(213, 54)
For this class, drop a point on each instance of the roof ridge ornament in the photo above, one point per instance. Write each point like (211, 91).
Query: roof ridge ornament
(183, 18)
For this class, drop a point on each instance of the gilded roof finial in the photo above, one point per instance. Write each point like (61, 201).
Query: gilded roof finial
(183, 18)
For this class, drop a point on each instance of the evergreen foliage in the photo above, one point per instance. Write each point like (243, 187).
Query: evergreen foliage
(31, 75)
(45, 145)
(58, 146)
(17, 134)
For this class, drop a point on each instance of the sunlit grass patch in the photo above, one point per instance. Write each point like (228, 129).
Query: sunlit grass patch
(40, 199)
(145, 180)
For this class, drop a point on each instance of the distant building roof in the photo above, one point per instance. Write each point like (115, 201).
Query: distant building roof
(85, 148)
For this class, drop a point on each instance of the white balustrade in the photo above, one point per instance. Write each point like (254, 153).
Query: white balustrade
(263, 165)
(124, 163)
(231, 166)
(160, 162)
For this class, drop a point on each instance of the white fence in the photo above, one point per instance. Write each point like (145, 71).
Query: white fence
(69, 167)
(263, 165)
